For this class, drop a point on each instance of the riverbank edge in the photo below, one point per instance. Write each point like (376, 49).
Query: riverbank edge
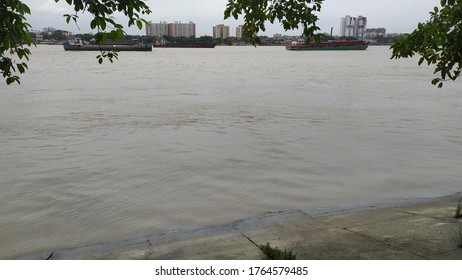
(411, 229)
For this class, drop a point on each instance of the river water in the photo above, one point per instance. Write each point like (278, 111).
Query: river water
(182, 139)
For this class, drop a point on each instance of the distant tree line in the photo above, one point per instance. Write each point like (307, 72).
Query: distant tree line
(56, 35)
(60, 36)
(379, 40)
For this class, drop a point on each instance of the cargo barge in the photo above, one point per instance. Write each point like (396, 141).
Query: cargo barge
(109, 45)
(354, 45)
(185, 45)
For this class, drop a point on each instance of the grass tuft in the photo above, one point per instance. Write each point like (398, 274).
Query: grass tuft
(274, 253)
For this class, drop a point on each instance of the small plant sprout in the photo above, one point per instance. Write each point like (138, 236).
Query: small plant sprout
(274, 253)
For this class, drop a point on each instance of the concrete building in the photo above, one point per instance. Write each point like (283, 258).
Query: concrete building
(221, 31)
(157, 29)
(175, 29)
(178, 29)
(353, 26)
(239, 32)
(375, 32)
(347, 26)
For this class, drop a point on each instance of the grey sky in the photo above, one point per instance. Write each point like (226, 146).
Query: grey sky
(397, 16)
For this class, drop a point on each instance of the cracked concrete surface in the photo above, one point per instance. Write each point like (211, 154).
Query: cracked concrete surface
(419, 230)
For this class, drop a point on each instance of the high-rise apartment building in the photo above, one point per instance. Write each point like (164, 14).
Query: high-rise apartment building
(175, 29)
(239, 32)
(375, 32)
(346, 26)
(221, 31)
(157, 29)
(178, 29)
(353, 26)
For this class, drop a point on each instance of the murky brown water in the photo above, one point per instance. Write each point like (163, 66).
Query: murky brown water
(180, 139)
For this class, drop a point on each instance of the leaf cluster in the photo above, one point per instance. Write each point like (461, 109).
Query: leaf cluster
(104, 21)
(103, 13)
(14, 39)
(290, 13)
(14, 35)
(438, 42)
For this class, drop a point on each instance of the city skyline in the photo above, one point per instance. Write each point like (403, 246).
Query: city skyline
(175, 29)
(180, 29)
(406, 15)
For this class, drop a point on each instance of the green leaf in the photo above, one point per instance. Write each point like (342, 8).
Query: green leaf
(421, 60)
(139, 23)
(20, 68)
(13, 79)
(102, 24)
(93, 23)
(113, 35)
(26, 9)
(103, 38)
(68, 18)
(120, 33)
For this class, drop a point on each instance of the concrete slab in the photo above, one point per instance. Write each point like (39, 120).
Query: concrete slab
(311, 239)
(229, 246)
(216, 243)
(415, 234)
(423, 230)
(443, 209)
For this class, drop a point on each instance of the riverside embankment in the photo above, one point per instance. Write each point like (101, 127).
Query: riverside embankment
(425, 229)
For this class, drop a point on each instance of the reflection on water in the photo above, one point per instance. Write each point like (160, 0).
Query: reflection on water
(178, 139)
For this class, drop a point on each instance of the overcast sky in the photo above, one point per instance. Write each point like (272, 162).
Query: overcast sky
(397, 16)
